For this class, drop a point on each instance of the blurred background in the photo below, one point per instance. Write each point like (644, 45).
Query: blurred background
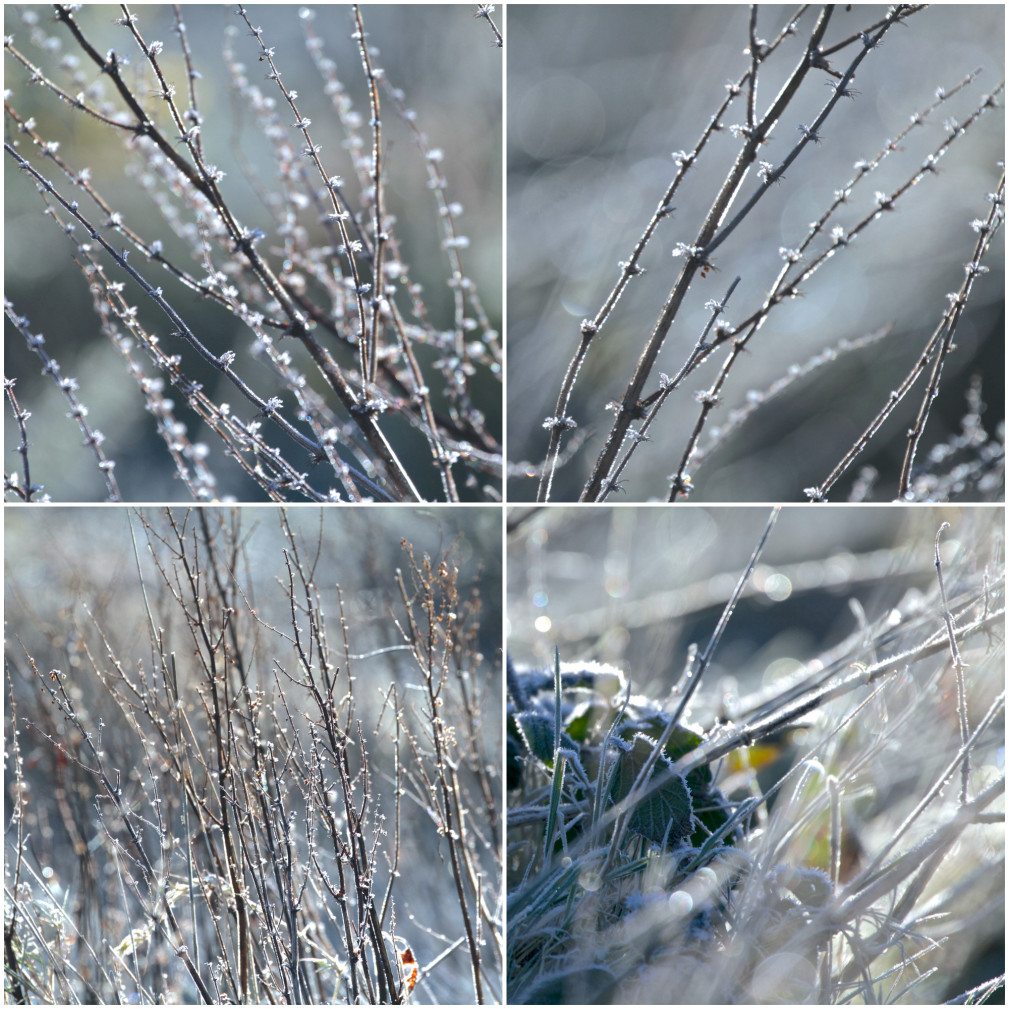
(599, 96)
(56, 556)
(635, 586)
(71, 575)
(438, 55)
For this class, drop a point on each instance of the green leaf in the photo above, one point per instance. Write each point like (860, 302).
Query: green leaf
(537, 733)
(681, 741)
(589, 720)
(665, 813)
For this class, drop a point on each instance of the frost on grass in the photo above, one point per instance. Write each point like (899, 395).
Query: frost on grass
(833, 837)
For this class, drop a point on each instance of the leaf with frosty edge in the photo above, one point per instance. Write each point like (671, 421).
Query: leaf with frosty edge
(665, 813)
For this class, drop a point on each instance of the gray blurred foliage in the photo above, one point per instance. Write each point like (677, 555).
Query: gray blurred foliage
(55, 555)
(635, 586)
(451, 77)
(599, 97)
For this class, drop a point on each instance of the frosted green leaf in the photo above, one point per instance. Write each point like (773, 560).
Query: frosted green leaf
(664, 814)
(537, 731)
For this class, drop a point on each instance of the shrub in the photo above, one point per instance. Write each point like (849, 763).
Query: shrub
(231, 780)
(712, 357)
(274, 256)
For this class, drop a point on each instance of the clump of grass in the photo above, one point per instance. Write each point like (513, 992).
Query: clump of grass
(224, 787)
(301, 307)
(834, 837)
